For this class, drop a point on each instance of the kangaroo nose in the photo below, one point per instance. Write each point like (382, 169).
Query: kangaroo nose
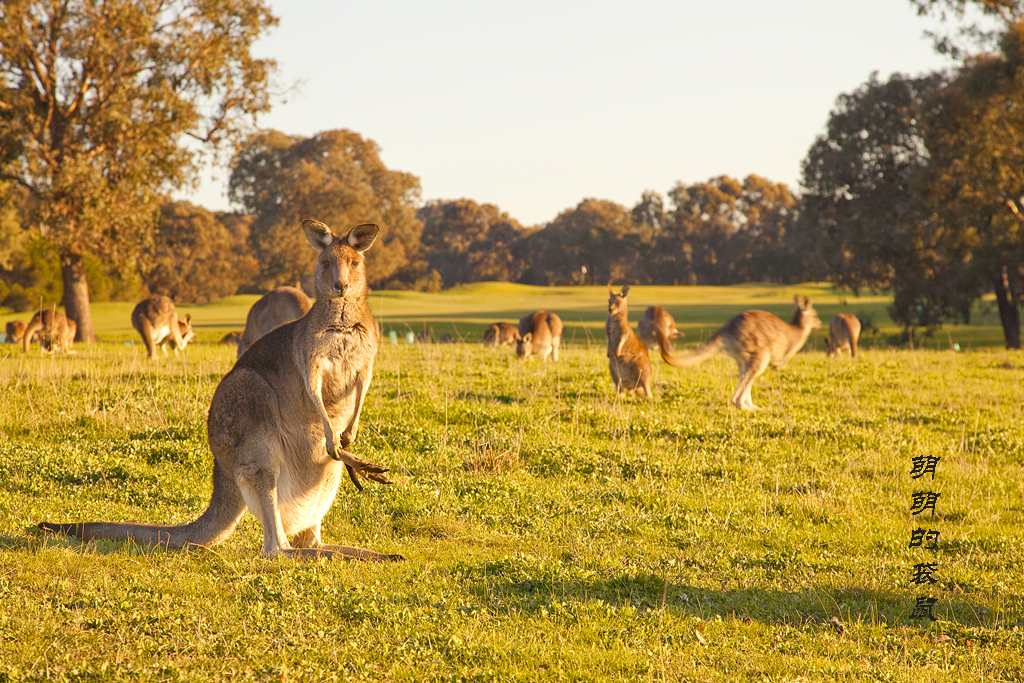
(339, 288)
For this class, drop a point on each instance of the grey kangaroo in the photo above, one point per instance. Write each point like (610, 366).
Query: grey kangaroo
(281, 420)
(628, 361)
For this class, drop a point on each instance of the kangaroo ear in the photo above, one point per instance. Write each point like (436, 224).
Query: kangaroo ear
(188, 318)
(527, 337)
(625, 291)
(318, 234)
(610, 290)
(807, 303)
(362, 236)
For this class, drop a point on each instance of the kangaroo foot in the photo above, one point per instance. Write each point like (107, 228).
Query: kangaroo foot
(359, 466)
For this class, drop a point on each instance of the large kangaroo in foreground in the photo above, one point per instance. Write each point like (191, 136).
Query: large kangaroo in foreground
(52, 329)
(843, 333)
(754, 339)
(275, 308)
(540, 333)
(157, 322)
(297, 389)
(628, 361)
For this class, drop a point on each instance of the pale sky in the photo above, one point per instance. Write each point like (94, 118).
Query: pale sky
(534, 106)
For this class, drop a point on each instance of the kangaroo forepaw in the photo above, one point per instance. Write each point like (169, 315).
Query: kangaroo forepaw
(356, 465)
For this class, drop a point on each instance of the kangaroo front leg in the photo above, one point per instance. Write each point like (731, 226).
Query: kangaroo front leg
(314, 385)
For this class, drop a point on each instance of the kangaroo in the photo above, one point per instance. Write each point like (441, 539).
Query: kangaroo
(501, 334)
(15, 330)
(540, 333)
(627, 356)
(51, 327)
(156, 320)
(843, 333)
(657, 329)
(231, 338)
(754, 339)
(275, 308)
(298, 389)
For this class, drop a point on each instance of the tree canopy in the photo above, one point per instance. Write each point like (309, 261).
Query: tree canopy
(97, 102)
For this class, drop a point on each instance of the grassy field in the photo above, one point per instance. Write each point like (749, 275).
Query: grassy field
(551, 530)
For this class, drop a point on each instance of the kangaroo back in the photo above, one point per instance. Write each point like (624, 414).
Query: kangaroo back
(843, 333)
(273, 309)
(540, 333)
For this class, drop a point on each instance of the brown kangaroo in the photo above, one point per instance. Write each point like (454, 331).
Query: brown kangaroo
(754, 339)
(156, 320)
(231, 338)
(843, 333)
(657, 328)
(275, 308)
(627, 356)
(501, 334)
(298, 389)
(15, 330)
(540, 333)
(54, 331)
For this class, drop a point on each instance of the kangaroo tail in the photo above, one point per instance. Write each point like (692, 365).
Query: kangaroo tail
(213, 526)
(702, 354)
(147, 336)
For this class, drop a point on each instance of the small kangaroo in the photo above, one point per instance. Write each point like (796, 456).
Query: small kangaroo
(843, 333)
(540, 333)
(275, 308)
(501, 334)
(54, 331)
(754, 339)
(298, 389)
(231, 338)
(627, 356)
(156, 320)
(657, 329)
(15, 330)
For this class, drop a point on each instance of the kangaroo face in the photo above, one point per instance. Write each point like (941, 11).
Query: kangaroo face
(340, 266)
(617, 302)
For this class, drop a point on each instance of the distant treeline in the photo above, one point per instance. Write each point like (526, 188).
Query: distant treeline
(723, 231)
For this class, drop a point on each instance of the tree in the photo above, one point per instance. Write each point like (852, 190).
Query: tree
(99, 100)
(336, 177)
(469, 242)
(194, 257)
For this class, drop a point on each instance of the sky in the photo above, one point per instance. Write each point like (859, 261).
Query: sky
(534, 106)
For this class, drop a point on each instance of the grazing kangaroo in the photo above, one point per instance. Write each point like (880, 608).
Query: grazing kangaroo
(754, 339)
(540, 333)
(300, 387)
(156, 320)
(231, 338)
(843, 333)
(54, 330)
(627, 356)
(275, 308)
(501, 334)
(657, 329)
(15, 330)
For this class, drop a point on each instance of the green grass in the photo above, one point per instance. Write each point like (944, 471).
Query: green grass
(552, 531)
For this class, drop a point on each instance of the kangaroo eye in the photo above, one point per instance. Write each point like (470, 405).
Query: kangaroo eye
(355, 264)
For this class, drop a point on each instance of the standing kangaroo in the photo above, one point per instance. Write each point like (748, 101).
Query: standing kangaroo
(627, 356)
(298, 389)
(657, 329)
(156, 320)
(275, 308)
(843, 333)
(52, 328)
(501, 334)
(540, 333)
(754, 339)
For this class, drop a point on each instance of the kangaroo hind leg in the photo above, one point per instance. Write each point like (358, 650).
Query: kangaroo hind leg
(754, 369)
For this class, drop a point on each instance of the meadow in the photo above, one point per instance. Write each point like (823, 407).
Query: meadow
(551, 530)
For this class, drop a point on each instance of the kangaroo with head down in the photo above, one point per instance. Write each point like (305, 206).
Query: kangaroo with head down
(754, 339)
(501, 334)
(628, 361)
(157, 322)
(15, 330)
(281, 420)
(843, 333)
(54, 331)
(657, 329)
(275, 308)
(540, 333)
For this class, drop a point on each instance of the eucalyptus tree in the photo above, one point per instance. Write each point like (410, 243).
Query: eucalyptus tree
(103, 106)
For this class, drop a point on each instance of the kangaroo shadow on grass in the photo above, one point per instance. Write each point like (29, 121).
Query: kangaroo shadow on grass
(647, 593)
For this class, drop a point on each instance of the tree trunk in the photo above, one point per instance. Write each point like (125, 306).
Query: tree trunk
(1009, 313)
(76, 296)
